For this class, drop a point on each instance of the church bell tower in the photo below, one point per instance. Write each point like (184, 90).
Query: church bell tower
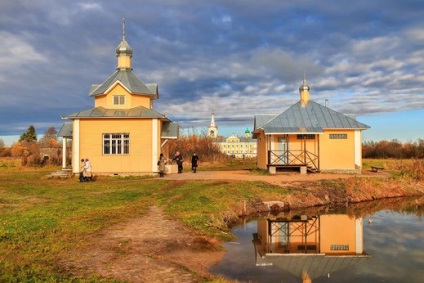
(213, 129)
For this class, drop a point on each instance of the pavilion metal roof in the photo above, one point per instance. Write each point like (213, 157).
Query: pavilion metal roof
(261, 120)
(311, 118)
(316, 265)
(127, 79)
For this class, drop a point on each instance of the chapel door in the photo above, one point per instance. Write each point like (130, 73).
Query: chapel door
(282, 150)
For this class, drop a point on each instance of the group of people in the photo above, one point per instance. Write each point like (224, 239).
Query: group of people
(179, 160)
(85, 171)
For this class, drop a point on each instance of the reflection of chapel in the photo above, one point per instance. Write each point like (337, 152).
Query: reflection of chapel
(310, 246)
(122, 133)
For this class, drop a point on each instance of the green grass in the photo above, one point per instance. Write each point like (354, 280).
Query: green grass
(207, 205)
(229, 165)
(387, 164)
(43, 220)
(399, 168)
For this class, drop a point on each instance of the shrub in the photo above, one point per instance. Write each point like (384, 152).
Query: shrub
(192, 141)
(414, 170)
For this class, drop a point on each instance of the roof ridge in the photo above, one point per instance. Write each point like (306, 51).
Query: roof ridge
(129, 80)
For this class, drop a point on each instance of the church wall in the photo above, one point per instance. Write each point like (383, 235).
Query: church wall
(139, 158)
(337, 154)
(262, 151)
(100, 101)
(131, 100)
(139, 100)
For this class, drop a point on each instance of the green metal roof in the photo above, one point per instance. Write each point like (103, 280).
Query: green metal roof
(129, 80)
(303, 119)
(101, 112)
(170, 130)
(66, 130)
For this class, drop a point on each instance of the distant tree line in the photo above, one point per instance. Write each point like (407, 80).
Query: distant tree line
(393, 149)
(46, 151)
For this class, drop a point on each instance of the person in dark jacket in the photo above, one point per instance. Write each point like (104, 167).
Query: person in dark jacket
(194, 162)
(179, 159)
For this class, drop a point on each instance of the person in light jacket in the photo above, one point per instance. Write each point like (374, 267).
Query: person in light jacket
(81, 174)
(162, 163)
(87, 169)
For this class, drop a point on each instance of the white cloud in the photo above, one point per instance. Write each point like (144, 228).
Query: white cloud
(224, 19)
(64, 14)
(92, 6)
(19, 51)
(415, 34)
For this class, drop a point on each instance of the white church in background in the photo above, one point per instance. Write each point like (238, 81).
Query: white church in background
(213, 128)
(239, 147)
(235, 146)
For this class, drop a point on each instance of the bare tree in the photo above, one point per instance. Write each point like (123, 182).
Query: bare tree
(50, 138)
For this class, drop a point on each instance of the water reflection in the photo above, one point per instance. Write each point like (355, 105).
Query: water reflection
(309, 246)
(371, 242)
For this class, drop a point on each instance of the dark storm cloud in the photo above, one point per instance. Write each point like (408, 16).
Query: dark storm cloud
(238, 58)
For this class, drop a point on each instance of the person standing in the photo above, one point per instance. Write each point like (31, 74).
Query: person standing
(162, 163)
(194, 162)
(87, 169)
(81, 174)
(179, 159)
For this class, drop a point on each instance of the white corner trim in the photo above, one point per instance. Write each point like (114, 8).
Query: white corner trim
(359, 235)
(155, 155)
(75, 146)
(358, 148)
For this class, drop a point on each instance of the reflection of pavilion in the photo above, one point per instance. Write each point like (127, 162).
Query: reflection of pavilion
(310, 246)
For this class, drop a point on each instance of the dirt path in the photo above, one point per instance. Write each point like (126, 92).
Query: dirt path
(148, 249)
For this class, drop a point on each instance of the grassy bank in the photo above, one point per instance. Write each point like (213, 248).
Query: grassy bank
(44, 220)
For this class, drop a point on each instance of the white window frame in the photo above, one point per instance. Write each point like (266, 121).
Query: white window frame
(116, 144)
(118, 99)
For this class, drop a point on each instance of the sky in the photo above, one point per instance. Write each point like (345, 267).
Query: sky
(237, 58)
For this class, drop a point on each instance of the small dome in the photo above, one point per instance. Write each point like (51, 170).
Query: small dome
(124, 48)
(304, 87)
(247, 131)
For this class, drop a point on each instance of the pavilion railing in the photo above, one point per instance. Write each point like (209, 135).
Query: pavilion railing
(292, 157)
